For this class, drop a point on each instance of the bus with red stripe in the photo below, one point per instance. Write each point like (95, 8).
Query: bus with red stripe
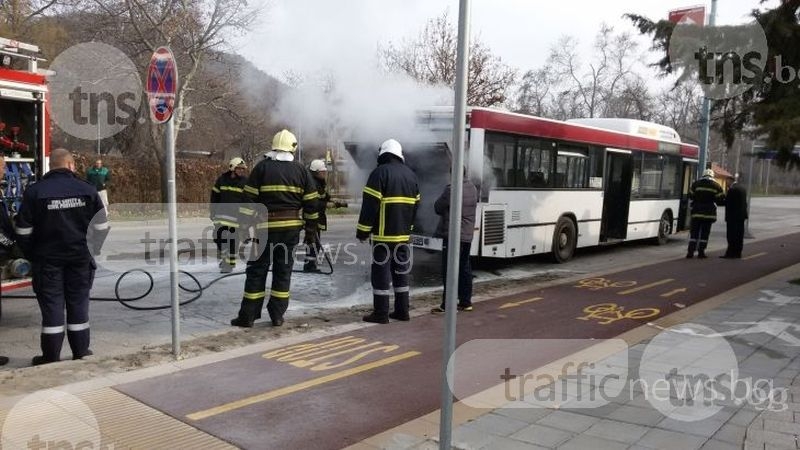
(550, 186)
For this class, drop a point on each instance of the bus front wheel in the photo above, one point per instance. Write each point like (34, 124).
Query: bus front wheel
(564, 240)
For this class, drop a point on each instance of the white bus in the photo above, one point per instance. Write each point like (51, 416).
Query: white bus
(547, 186)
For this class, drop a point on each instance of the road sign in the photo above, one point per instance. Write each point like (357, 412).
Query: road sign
(694, 15)
(162, 84)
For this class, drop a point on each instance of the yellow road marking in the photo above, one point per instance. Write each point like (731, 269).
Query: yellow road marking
(646, 286)
(755, 256)
(673, 292)
(515, 304)
(297, 387)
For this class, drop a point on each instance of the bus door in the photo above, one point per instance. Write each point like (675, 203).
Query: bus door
(616, 195)
(689, 171)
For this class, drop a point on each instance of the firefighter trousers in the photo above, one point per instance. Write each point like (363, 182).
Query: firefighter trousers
(276, 249)
(391, 266)
(227, 239)
(698, 236)
(59, 286)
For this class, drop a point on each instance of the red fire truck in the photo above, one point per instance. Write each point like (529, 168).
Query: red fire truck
(24, 136)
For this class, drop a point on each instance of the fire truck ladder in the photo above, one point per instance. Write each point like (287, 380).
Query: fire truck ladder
(10, 49)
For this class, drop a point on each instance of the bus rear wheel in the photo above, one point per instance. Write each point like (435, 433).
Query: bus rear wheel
(664, 229)
(564, 240)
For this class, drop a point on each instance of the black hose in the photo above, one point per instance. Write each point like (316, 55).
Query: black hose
(198, 291)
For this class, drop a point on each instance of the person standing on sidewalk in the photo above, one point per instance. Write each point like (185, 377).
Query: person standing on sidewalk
(285, 188)
(320, 173)
(705, 195)
(735, 215)
(99, 176)
(52, 227)
(227, 196)
(388, 209)
(469, 203)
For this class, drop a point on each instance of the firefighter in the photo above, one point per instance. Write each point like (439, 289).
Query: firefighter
(389, 206)
(226, 197)
(705, 195)
(286, 189)
(52, 227)
(320, 173)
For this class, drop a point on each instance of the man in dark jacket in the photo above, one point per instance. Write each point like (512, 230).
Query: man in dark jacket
(227, 196)
(320, 173)
(469, 204)
(735, 215)
(705, 195)
(52, 228)
(388, 209)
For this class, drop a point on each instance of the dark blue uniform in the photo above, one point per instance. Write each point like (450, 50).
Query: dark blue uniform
(52, 227)
(705, 195)
(389, 206)
(227, 196)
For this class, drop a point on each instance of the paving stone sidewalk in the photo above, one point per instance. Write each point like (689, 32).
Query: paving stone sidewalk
(763, 331)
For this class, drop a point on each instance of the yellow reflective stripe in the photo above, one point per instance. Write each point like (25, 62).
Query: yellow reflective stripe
(366, 228)
(226, 223)
(312, 216)
(311, 196)
(382, 219)
(215, 189)
(373, 192)
(401, 239)
(251, 190)
(255, 295)
(280, 224)
(406, 200)
(231, 188)
(247, 211)
(283, 295)
(281, 188)
(706, 189)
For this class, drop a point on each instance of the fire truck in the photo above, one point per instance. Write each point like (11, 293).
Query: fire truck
(24, 137)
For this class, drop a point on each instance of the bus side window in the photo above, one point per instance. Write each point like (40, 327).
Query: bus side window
(537, 180)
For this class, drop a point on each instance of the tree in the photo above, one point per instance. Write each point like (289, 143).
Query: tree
(431, 59)
(771, 107)
(195, 30)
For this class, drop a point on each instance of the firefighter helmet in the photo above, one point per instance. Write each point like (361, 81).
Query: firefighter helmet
(317, 165)
(393, 147)
(284, 141)
(708, 173)
(236, 162)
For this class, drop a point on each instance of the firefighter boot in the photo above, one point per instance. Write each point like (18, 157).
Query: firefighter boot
(400, 307)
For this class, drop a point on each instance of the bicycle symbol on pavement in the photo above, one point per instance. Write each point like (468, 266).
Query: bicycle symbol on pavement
(606, 313)
(595, 284)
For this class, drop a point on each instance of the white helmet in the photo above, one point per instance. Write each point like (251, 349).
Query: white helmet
(393, 147)
(318, 165)
(236, 162)
(708, 173)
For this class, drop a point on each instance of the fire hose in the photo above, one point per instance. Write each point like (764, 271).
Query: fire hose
(197, 291)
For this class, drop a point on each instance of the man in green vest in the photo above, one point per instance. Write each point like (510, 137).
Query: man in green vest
(99, 177)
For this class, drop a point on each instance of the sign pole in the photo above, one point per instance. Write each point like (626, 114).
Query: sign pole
(169, 146)
(454, 233)
(705, 117)
(162, 89)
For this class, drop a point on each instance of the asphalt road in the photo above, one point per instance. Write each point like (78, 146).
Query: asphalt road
(117, 330)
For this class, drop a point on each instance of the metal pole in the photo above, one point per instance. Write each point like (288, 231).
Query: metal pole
(747, 232)
(173, 236)
(705, 118)
(454, 233)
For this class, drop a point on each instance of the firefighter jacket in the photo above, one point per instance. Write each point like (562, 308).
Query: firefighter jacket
(322, 204)
(55, 217)
(227, 196)
(285, 188)
(390, 202)
(706, 194)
